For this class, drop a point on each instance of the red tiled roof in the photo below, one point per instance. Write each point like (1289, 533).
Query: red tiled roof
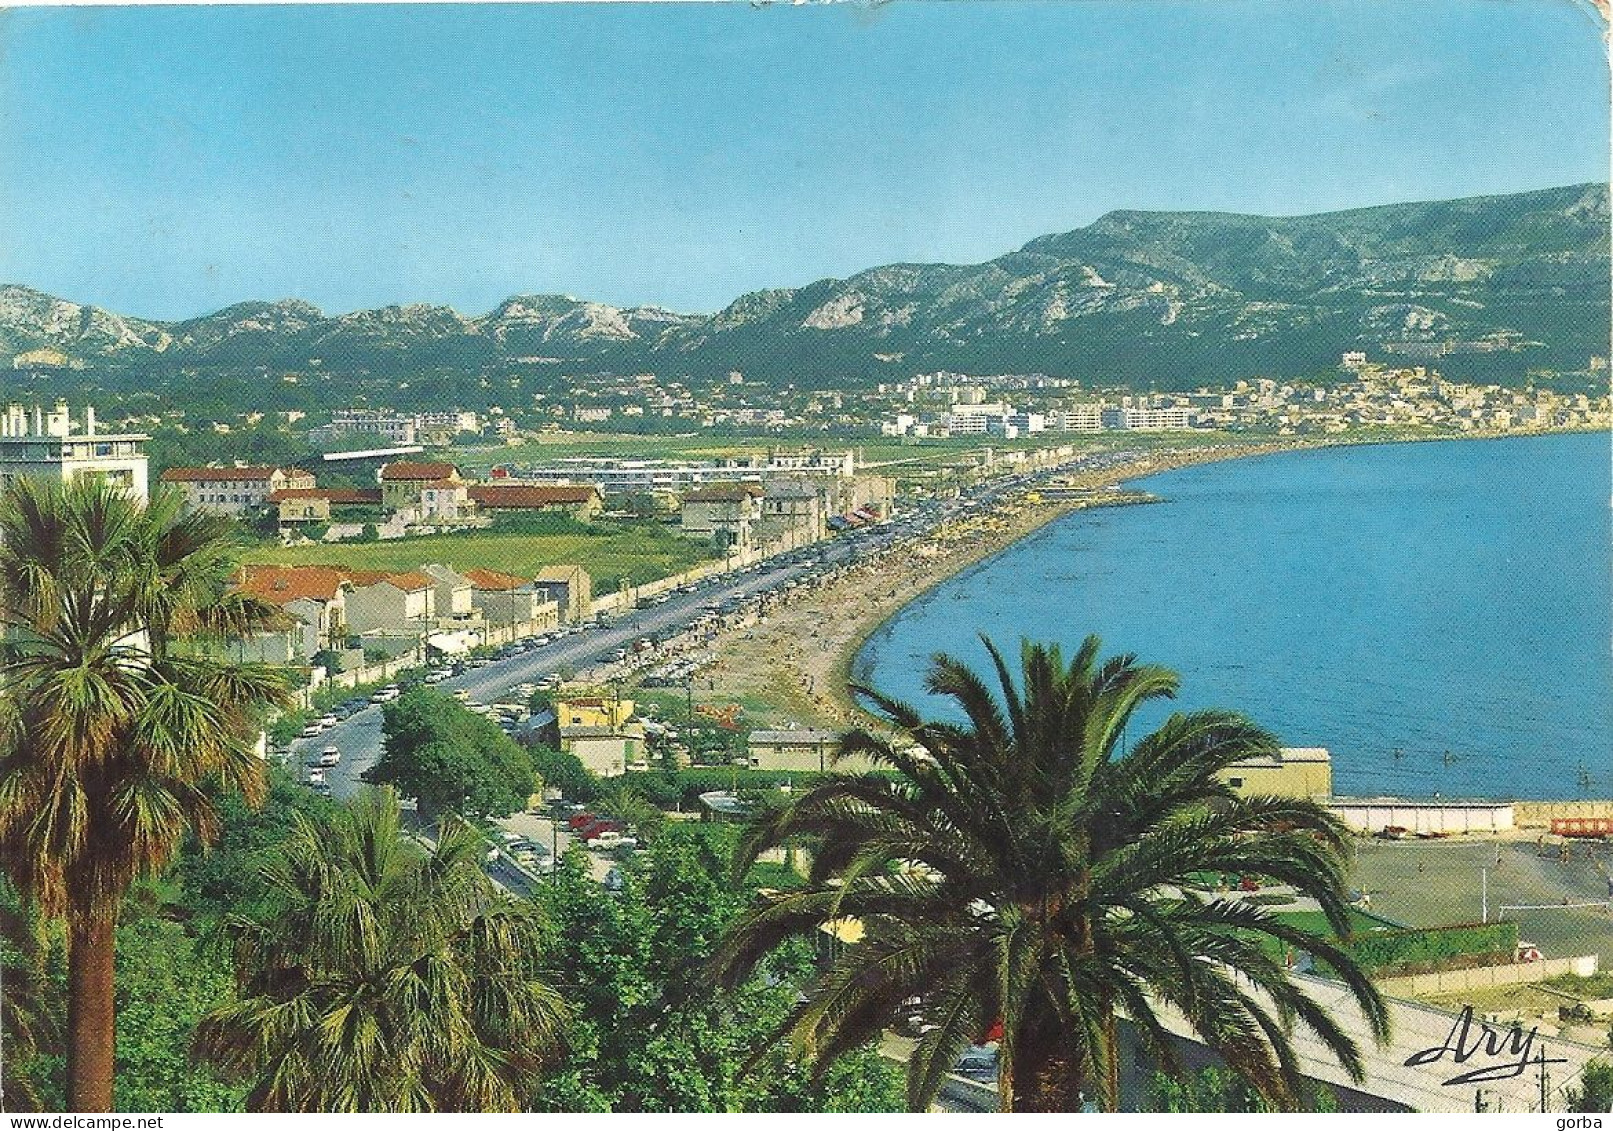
(220, 474)
(413, 471)
(363, 577)
(492, 579)
(410, 581)
(531, 498)
(281, 585)
(333, 494)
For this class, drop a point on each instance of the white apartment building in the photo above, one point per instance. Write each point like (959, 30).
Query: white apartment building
(44, 445)
(396, 427)
(1148, 419)
(1079, 418)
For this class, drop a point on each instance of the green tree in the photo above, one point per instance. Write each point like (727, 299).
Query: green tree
(1595, 1091)
(653, 1032)
(565, 772)
(30, 1006)
(378, 977)
(167, 982)
(1024, 870)
(1217, 1090)
(451, 759)
(113, 727)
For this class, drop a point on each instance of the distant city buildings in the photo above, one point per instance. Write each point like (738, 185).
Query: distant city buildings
(1375, 395)
(396, 427)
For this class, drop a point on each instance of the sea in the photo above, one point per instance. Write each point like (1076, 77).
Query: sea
(1437, 615)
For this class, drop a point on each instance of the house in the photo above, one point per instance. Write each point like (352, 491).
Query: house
(605, 750)
(507, 600)
(320, 504)
(234, 490)
(1290, 772)
(452, 598)
(593, 711)
(403, 481)
(792, 508)
(724, 512)
(314, 597)
(569, 587)
(444, 501)
(792, 749)
(399, 604)
(580, 502)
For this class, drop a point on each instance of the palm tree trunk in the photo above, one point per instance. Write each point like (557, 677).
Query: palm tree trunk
(1046, 1077)
(1111, 1041)
(91, 1012)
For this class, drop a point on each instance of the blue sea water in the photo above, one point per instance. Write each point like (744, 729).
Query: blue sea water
(1434, 599)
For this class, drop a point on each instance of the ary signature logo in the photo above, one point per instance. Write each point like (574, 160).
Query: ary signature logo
(1513, 1048)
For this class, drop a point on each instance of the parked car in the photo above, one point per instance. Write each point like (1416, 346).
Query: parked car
(597, 828)
(315, 776)
(311, 730)
(330, 756)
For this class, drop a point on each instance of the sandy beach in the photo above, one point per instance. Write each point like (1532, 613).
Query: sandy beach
(793, 666)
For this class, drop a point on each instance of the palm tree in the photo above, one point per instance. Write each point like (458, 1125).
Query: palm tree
(380, 977)
(1018, 870)
(117, 724)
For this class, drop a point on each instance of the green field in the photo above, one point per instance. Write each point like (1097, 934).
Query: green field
(636, 553)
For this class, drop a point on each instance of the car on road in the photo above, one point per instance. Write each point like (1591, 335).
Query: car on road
(385, 695)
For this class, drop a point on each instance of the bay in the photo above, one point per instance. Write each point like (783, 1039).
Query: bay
(1435, 614)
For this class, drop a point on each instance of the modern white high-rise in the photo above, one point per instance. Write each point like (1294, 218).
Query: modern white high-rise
(50, 446)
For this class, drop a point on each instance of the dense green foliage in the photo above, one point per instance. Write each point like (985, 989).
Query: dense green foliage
(169, 980)
(1431, 947)
(1217, 1090)
(653, 1033)
(1595, 1090)
(564, 772)
(450, 758)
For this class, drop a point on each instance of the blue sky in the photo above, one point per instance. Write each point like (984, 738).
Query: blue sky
(168, 161)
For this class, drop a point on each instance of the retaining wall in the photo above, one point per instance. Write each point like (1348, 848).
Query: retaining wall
(1539, 814)
(1478, 977)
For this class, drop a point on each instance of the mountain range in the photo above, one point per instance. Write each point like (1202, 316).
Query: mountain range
(1499, 284)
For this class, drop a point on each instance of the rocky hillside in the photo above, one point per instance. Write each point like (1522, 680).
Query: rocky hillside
(1502, 283)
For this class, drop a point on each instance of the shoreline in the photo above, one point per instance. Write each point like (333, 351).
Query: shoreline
(794, 667)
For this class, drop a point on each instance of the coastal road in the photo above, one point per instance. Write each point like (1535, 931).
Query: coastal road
(359, 736)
